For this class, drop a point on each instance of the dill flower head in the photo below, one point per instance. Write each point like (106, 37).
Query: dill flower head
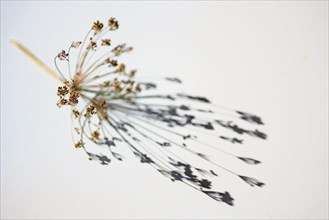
(178, 134)
(90, 85)
(96, 79)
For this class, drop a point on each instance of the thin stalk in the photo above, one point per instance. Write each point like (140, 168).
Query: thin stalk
(36, 60)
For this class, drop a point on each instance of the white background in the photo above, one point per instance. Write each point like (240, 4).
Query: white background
(268, 58)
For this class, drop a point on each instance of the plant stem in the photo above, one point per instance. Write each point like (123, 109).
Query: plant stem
(35, 59)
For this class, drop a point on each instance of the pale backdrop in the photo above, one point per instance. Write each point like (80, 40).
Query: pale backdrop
(268, 58)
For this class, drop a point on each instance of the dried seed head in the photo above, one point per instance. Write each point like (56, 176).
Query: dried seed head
(62, 91)
(91, 110)
(138, 88)
(116, 85)
(121, 68)
(95, 135)
(79, 144)
(74, 95)
(62, 55)
(106, 42)
(92, 45)
(75, 44)
(106, 84)
(76, 113)
(121, 48)
(62, 102)
(132, 73)
(97, 26)
(113, 24)
(114, 63)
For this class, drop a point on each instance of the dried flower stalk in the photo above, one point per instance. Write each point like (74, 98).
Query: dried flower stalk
(111, 106)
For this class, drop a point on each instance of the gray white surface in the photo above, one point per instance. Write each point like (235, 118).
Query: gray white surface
(268, 58)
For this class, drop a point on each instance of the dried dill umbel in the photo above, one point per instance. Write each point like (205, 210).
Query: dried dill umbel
(180, 135)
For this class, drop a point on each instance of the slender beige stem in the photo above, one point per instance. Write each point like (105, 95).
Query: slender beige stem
(35, 59)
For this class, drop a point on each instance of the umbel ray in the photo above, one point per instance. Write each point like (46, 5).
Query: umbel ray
(112, 108)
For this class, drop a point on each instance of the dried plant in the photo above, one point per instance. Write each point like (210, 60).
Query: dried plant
(111, 106)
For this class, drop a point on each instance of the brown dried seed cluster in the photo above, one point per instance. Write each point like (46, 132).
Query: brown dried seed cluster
(117, 85)
(113, 24)
(62, 102)
(62, 91)
(114, 63)
(111, 61)
(92, 45)
(106, 84)
(95, 135)
(138, 88)
(62, 55)
(73, 99)
(91, 110)
(67, 96)
(106, 42)
(121, 48)
(123, 88)
(76, 113)
(132, 73)
(97, 26)
(121, 68)
(101, 107)
(79, 144)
